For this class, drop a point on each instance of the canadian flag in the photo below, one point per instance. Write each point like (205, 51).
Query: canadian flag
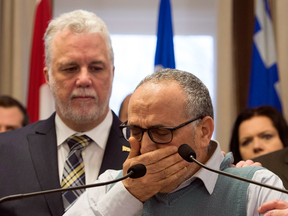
(40, 104)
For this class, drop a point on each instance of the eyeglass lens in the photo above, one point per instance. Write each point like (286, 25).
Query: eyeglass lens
(158, 135)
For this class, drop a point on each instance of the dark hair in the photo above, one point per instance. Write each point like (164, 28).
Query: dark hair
(122, 104)
(272, 113)
(7, 102)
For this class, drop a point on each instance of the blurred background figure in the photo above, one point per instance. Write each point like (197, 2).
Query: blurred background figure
(123, 112)
(12, 114)
(258, 131)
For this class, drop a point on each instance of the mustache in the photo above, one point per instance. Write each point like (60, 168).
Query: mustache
(83, 92)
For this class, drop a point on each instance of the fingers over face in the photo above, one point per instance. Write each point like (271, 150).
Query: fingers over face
(158, 163)
(150, 157)
(145, 187)
(135, 148)
(164, 166)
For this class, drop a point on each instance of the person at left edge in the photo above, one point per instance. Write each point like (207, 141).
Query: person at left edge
(13, 114)
(79, 70)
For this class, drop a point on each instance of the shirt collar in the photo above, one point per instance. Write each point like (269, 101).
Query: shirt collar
(98, 134)
(209, 178)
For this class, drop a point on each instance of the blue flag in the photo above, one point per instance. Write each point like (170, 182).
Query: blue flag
(164, 56)
(264, 81)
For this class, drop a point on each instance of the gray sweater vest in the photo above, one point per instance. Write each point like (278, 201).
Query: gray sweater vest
(228, 197)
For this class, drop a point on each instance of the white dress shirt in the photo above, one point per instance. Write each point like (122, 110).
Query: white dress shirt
(92, 154)
(118, 201)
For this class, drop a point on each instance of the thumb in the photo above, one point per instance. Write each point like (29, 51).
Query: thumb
(135, 148)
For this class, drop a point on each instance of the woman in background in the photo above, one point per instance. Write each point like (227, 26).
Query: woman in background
(258, 131)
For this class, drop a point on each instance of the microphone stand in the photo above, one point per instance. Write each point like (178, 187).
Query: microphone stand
(132, 173)
(191, 153)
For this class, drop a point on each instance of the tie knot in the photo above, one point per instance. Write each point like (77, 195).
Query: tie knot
(78, 142)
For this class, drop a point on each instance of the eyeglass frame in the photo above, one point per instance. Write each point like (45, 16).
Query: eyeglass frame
(123, 125)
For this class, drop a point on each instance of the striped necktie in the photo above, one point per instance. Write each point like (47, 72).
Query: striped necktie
(74, 172)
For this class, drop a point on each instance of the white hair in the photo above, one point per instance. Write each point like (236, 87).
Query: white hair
(78, 22)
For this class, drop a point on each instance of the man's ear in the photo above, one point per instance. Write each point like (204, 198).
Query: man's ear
(206, 127)
(46, 75)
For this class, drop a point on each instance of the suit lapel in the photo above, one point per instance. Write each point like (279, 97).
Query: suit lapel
(43, 149)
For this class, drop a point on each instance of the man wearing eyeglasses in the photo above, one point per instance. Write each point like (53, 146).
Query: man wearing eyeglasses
(167, 109)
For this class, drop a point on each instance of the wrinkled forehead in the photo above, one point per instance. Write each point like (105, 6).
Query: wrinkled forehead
(157, 100)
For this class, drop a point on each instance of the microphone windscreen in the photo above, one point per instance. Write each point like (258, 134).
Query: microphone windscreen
(138, 170)
(185, 151)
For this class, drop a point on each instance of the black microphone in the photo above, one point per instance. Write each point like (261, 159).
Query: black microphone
(188, 154)
(135, 171)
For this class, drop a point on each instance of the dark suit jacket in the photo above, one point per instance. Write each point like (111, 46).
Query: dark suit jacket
(277, 162)
(29, 163)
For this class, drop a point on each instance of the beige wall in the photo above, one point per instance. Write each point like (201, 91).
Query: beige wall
(16, 22)
(281, 33)
(226, 103)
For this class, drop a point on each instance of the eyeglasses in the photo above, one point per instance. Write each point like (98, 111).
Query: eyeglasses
(160, 135)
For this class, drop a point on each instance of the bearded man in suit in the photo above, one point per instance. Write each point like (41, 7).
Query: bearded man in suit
(79, 70)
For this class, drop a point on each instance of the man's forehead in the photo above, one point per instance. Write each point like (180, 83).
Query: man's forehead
(152, 106)
(150, 121)
(67, 32)
(154, 89)
(168, 95)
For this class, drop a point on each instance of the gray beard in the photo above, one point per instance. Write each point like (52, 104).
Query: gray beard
(83, 115)
(80, 116)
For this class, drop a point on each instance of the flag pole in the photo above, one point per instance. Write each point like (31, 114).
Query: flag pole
(164, 55)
